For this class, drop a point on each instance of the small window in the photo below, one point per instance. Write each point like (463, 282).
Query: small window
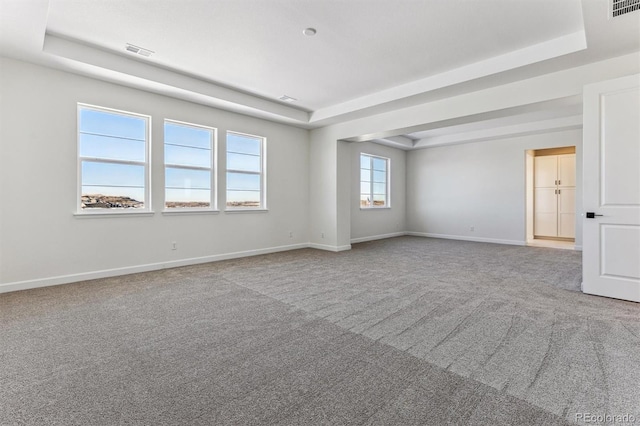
(245, 171)
(113, 160)
(374, 181)
(189, 173)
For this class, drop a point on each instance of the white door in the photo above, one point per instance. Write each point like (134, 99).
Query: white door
(545, 178)
(611, 143)
(567, 170)
(567, 212)
(567, 195)
(546, 212)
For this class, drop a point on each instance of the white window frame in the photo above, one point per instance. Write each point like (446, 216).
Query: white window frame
(147, 164)
(213, 170)
(387, 160)
(262, 174)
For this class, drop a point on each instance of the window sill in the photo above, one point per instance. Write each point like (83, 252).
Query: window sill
(246, 210)
(85, 215)
(187, 212)
(375, 208)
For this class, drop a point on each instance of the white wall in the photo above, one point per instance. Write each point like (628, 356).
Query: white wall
(451, 188)
(42, 242)
(330, 213)
(368, 224)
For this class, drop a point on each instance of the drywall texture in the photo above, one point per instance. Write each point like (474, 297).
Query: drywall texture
(41, 237)
(481, 185)
(371, 223)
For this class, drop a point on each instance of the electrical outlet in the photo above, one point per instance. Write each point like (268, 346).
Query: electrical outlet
(472, 228)
(174, 245)
(322, 235)
(290, 234)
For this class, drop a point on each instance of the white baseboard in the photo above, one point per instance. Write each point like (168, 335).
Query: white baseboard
(329, 248)
(106, 273)
(467, 238)
(377, 237)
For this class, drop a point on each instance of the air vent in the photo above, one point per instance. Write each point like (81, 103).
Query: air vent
(139, 50)
(286, 98)
(621, 7)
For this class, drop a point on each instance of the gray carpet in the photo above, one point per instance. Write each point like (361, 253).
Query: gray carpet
(400, 331)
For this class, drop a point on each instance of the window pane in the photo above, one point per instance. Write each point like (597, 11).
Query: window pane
(365, 187)
(113, 124)
(380, 177)
(249, 163)
(379, 164)
(108, 197)
(380, 188)
(186, 178)
(243, 144)
(365, 175)
(243, 181)
(181, 198)
(111, 148)
(365, 162)
(187, 135)
(243, 198)
(183, 156)
(111, 174)
(379, 200)
(364, 200)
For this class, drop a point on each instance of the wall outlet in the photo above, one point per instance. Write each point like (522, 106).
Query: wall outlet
(174, 245)
(290, 234)
(472, 228)
(322, 234)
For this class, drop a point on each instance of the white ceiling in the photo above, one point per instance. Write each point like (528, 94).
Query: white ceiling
(368, 56)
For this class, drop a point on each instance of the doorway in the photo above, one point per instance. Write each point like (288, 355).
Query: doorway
(551, 197)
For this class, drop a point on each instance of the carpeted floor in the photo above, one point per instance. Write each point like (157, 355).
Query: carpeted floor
(401, 331)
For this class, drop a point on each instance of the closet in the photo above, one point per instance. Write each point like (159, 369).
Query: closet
(554, 195)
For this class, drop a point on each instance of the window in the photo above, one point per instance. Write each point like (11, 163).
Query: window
(189, 173)
(245, 171)
(113, 160)
(374, 181)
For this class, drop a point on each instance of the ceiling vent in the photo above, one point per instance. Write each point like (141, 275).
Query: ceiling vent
(139, 50)
(286, 98)
(621, 7)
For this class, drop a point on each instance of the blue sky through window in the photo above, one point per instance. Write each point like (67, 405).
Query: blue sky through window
(244, 165)
(188, 160)
(106, 140)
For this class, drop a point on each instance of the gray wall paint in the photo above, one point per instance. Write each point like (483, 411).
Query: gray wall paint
(41, 238)
(451, 188)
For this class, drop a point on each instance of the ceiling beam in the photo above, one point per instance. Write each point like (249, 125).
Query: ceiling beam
(524, 129)
(554, 48)
(119, 68)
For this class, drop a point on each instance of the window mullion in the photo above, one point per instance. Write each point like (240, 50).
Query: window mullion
(371, 182)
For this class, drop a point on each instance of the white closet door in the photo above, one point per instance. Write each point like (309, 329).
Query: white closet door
(567, 170)
(567, 213)
(545, 171)
(546, 212)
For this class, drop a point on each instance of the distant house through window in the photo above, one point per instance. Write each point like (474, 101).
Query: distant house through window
(374, 181)
(245, 171)
(189, 166)
(113, 159)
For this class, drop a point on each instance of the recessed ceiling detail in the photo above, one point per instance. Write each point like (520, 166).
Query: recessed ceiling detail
(429, 50)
